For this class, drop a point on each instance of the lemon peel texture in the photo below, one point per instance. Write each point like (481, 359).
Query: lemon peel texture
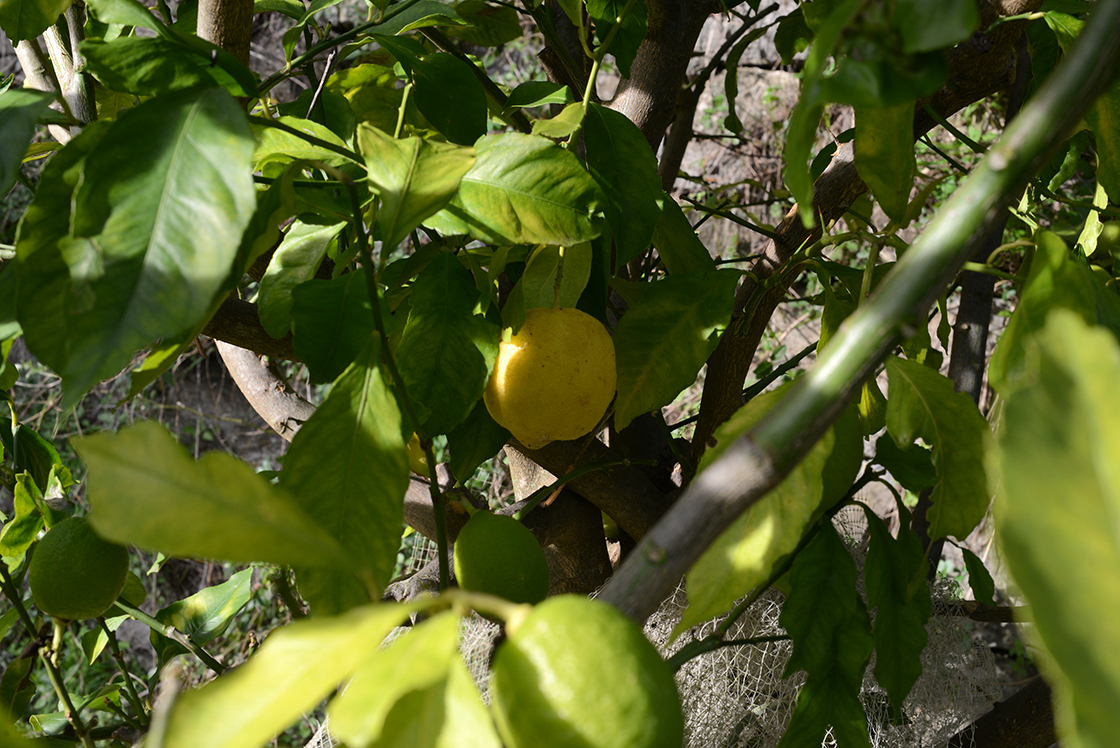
(576, 673)
(554, 379)
(498, 555)
(74, 574)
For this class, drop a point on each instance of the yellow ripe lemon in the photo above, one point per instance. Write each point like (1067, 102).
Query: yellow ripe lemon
(498, 555)
(74, 574)
(576, 673)
(554, 379)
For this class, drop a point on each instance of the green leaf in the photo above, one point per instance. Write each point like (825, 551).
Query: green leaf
(538, 93)
(296, 668)
(981, 582)
(895, 582)
(348, 466)
(912, 467)
(620, 159)
(447, 351)
(928, 26)
(630, 35)
(126, 13)
(523, 189)
(1057, 473)
(421, 15)
(19, 111)
(145, 490)
(885, 154)
(832, 642)
(29, 452)
(747, 553)
(295, 261)
(26, 19)
(923, 404)
(156, 225)
(806, 116)
(537, 286)
(331, 320)
(663, 340)
(16, 692)
(279, 146)
(563, 125)
(413, 662)
(1103, 119)
(487, 25)
(677, 243)
(21, 530)
(414, 177)
(147, 66)
(203, 616)
(1055, 280)
(474, 441)
(792, 35)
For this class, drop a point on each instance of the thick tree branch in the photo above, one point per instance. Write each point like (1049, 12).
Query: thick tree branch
(237, 322)
(756, 462)
(649, 96)
(975, 71)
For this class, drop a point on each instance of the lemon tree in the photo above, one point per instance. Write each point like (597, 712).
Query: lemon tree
(554, 378)
(539, 283)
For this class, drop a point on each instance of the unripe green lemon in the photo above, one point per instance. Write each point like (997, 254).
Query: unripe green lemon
(498, 555)
(74, 574)
(576, 673)
(554, 379)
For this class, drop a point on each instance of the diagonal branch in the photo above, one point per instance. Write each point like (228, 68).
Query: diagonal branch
(756, 462)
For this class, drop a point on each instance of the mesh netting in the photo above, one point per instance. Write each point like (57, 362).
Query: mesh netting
(736, 697)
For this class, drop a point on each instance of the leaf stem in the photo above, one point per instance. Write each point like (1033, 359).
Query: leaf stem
(118, 656)
(171, 633)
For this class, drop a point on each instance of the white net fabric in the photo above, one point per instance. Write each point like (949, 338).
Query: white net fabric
(736, 697)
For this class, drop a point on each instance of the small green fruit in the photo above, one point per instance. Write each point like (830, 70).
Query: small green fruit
(74, 574)
(576, 673)
(498, 555)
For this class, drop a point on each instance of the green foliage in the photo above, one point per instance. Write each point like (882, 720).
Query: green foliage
(1055, 472)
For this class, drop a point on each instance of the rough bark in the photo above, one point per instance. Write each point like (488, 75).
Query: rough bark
(227, 24)
(237, 323)
(1026, 720)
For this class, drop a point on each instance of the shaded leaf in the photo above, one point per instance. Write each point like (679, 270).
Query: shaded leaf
(19, 111)
(447, 351)
(293, 671)
(832, 642)
(147, 66)
(348, 466)
(414, 177)
(523, 189)
(537, 286)
(894, 574)
(145, 490)
(620, 159)
(912, 467)
(26, 19)
(630, 35)
(677, 243)
(923, 404)
(539, 93)
(884, 154)
(663, 340)
(475, 440)
(1057, 474)
(486, 25)
(331, 320)
(747, 553)
(927, 26)
(981, 582)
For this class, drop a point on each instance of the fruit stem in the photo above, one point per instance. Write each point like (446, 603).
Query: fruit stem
(51, 663)
(130, 687)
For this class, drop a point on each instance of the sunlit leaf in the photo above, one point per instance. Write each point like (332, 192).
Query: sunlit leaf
(1057, 472)
(204, 615)
(145, 490)
(348, 466)
(295, 261)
